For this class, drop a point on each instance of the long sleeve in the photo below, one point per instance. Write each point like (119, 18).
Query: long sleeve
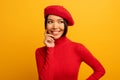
(45, 63)
(97, 67)
(63, 61)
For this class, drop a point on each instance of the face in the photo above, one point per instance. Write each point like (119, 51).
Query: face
(55, 26)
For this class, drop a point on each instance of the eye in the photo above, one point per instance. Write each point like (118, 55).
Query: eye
(49, 21)
(60, 21)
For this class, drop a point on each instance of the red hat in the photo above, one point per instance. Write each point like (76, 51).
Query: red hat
(59, 11)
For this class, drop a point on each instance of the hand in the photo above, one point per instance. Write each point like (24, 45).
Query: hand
(49, 40)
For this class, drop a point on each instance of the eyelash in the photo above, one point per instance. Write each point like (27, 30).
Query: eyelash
(61, 21)
(49, 21)
(52, 22)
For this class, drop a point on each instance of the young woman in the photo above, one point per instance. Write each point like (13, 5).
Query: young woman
(60, 58)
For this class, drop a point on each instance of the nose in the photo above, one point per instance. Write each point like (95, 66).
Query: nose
(55, 25)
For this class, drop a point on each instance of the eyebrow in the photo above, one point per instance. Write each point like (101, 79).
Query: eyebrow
(52, 19)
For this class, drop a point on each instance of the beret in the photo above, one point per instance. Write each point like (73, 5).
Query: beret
(59, 11)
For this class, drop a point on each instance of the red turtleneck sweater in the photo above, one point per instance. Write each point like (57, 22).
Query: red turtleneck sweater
(63, 61)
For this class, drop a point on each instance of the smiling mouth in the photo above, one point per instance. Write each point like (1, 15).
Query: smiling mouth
(55, 32)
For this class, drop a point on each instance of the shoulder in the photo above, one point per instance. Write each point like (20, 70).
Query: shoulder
(40, 51)
(76, 44)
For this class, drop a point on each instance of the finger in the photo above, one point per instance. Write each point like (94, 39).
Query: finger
(49, 39)
(47, 34)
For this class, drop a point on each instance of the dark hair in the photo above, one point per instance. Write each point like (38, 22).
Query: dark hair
(65, 25)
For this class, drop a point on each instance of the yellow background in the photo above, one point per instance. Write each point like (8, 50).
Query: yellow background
(97, 26)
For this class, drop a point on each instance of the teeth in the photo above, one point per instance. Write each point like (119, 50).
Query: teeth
(55, 32)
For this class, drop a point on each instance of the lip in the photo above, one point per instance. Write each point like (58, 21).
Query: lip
(55, 33)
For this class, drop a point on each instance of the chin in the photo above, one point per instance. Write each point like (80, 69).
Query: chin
(57, 37)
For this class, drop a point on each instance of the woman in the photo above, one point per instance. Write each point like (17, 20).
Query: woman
(60, 58)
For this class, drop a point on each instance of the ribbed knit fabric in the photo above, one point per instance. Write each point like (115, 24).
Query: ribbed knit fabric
(63, 61)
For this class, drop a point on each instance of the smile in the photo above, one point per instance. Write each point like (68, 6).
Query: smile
(55, 32)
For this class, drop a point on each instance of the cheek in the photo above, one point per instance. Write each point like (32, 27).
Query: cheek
(62, 27)
(48, 27)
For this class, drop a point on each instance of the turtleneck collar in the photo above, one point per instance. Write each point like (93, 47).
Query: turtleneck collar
(61, 40)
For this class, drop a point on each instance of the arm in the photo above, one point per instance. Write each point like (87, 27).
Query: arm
(45, 63)
(45, 58)
(97, 67)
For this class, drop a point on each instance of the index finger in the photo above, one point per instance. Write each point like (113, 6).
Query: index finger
(47, 34)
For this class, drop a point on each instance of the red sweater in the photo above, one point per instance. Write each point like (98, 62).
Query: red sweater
(63, 61)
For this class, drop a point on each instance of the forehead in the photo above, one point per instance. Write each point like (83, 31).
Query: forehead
(55, 17)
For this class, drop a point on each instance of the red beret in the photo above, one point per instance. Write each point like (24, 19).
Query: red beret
(59, 11)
